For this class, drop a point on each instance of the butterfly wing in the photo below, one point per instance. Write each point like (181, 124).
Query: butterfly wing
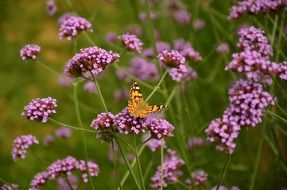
(151, 109)
(137, 107)
(136, 99)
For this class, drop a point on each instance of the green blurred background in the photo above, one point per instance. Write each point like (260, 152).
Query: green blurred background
(23, 22)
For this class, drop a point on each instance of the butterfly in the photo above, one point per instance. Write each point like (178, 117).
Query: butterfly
(137, 107)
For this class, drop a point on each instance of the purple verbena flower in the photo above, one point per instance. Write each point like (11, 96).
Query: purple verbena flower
(48, 139)
(182, 73)
(39, 180)
(195, 142)
(65, 80)
(63, 132)
(90, 87)
(186, 50)
(126, 123)
(223, 48)
(40, 109)
(121, 94)
(160, 47)
(9, 187)
(155, 144)
(198, 24)
(282, 71)
(182, 17)
(248, 101)
(144, 17)
(254, 39)
(92, 59)
(143, 69)
(131, 42)
(168, 172)
(72, 25)
(30, 51)
(224, 133)
(51, 7)
(21, 145)
(111, 37)
(197, 178)
(254, 7)
(159, 128)
(171, 58)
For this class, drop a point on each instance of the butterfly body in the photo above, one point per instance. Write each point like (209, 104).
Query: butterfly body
(137, 107)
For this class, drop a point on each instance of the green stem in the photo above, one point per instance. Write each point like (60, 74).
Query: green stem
(101, 95)
(116, 166)
(79, 119)
(128, 165)
(68, 182)
(48, 68)
(258, 156)
(226, 165)
(70, 126)
(157, 86)
(132, 165)
(161, 163)
(138, 162)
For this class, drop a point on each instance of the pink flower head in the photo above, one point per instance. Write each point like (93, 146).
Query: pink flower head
(30, 51)
(182, 17)
(90, 87)
(9, 187)
(40, 109)
(169, 170)
(92, 59)
(171, 58)
(51, 7)
(111, 37)
(186, 50)
(63, 132)
(65, 183)
(72, 25)
(224, 133)
(198, 24)
(126, 123)
(223, 48)
(195, 142)
(160, 47)
(121, 94)
(182, 73)
(159, 128)
(155, 144)
(197, 178)
(48, 139)
(131, 42)
(21, 145)
(143, 69)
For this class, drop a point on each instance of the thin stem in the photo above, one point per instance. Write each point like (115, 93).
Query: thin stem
(161, 163)
(68, 182)
(116, 166)
(100, 94)
(132, 165)
(138, 162)
(157, 86)
(48, 68)
(70, 126)
(3, 180)
(182, 184)
(258, 156)
(226, 165)
(143, 143)
(79, 119)
(128, 165)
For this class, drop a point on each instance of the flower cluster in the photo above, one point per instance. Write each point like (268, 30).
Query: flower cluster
(92, 59)
(40, 109)
(223, 48)
(182, 17)
(254, 58)
(159, 128)
(224, 133)
(63, 132)
(64, 167)
(171, 58)
(186, 49)
(143, 16)
(160, 47)
(121, 94)
(195, 142)
(197, 178)
(182, 73)
(90, 87)
(51, 7)
(9, 187)
(198, 24)
(168, 172)
(248, 101)
(254, 7)
(131, 42)
(21, 145)
(155, 144)
(125, 123)
(30, 51)
(72, 25)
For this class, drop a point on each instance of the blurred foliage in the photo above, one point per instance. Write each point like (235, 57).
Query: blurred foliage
(23, 22)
